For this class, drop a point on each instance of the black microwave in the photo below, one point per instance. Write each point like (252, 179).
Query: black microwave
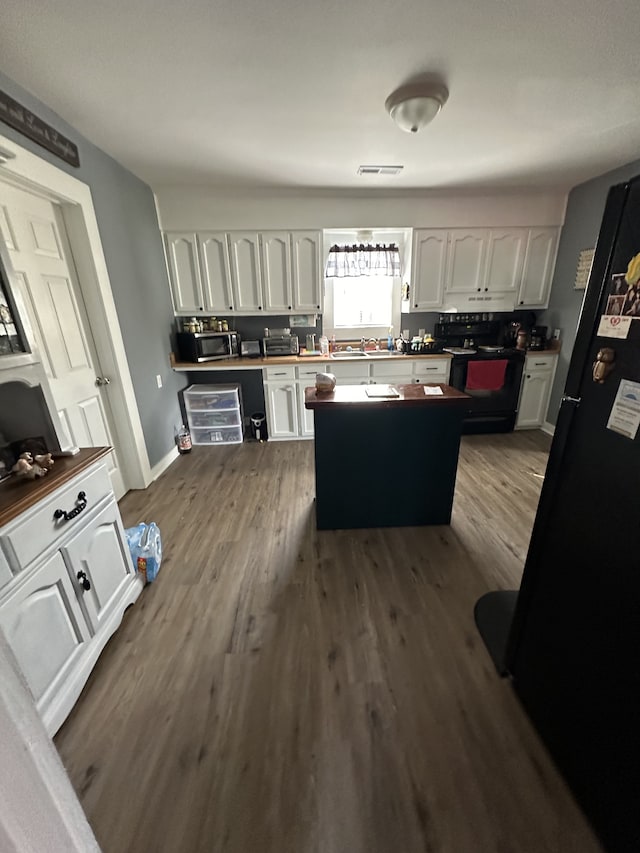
(208, 346)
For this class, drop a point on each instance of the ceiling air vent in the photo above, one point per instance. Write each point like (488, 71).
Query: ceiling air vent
(380, 170)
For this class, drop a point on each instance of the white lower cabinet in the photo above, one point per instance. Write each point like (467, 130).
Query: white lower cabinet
(67, 596)
(305, 416)
(284, 386)
(281, 399)
(100, 551)
(44, 626)
(537, 382)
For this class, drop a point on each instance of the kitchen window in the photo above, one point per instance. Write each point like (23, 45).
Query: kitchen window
(362, 298)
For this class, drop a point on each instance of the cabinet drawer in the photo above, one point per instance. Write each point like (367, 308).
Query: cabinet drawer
(539, 362)
(429, 366)
(394, 367)
(350, 370)
(309, 371)
(225, 418)
(38, 529)
(280, 372)
(211, 398)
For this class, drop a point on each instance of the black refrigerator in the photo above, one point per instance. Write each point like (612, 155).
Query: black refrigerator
(573, 650)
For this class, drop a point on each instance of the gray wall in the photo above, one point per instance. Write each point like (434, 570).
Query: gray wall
(582, 224)
(128, 224)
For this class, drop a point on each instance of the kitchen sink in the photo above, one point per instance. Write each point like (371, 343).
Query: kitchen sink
(357, 353)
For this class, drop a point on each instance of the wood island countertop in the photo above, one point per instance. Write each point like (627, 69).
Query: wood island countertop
(411, 396)
(18, 494)
(241, 363)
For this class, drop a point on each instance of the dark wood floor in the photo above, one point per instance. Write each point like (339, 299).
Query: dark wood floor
(280, 690)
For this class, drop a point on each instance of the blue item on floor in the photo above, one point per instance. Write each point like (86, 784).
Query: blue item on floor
(145, 546)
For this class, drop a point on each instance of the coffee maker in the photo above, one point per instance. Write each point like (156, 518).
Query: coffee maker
(538, 338)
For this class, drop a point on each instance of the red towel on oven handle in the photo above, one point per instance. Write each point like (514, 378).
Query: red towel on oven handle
(486, 375)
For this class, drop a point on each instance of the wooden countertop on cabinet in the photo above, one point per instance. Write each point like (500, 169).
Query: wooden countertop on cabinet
(18, 494)
(258, 363)
(411, 396)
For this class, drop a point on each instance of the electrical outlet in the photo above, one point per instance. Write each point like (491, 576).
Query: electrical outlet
(556, 334)
(159, 381)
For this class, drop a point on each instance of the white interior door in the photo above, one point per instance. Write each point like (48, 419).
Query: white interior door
(40, 255)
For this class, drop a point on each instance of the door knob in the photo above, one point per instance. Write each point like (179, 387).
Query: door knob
(102, 380)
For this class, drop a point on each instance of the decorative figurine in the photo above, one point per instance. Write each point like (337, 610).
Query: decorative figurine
(604, 364)
(29, 468)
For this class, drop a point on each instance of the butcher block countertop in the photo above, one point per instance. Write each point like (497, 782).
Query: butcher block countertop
(255, 363)
(18, 494)
(411, 396)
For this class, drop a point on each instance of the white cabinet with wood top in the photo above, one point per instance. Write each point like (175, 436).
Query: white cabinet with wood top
(66, 580)
(537, 382)
(281, 401)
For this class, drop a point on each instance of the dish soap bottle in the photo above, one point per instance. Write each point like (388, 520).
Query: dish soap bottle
(390, 339)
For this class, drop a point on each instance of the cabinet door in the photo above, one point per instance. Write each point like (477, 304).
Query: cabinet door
(428, 268)
(275, 258)
(305, 416)
(45, 628)
(534, 398)
(100, 551)
(505, 256)
(466, 261)
(245, 269)
(538, 267)
(308, 275)
(282, 410)
(184, 273)
(216, 272)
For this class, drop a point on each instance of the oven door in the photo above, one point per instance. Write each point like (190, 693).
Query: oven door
(490, 411)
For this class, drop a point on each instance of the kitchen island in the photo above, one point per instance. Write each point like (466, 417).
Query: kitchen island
(385, 461)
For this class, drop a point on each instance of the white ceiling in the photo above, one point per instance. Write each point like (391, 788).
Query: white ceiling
(291, 94)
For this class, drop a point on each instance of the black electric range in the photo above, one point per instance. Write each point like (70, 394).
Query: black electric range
(491, 410)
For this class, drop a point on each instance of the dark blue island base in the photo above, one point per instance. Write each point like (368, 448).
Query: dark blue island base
(385, 462)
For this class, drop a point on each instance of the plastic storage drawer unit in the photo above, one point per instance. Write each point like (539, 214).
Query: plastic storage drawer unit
(214, 413)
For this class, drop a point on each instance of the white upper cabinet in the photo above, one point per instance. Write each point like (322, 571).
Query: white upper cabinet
(539, 262)
(216, 272)
(275, 256)
(466, 260)
(429, 259)
(182, 256)
(245, 268)
(307, 271)
(505, 257)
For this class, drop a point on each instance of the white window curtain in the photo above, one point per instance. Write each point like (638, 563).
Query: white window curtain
(355, 261)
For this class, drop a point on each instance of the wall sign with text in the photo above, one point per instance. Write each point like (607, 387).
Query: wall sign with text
(28, 124)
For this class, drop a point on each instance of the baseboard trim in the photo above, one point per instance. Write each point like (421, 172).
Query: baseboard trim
(161, 466)
(548, 428)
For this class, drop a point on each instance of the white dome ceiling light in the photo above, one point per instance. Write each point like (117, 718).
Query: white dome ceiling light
(412, 107)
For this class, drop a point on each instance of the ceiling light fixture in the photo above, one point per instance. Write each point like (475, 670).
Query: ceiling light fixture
(412, 107)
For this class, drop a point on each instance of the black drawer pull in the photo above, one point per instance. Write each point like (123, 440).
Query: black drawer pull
(81, 503)
(85, 583)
